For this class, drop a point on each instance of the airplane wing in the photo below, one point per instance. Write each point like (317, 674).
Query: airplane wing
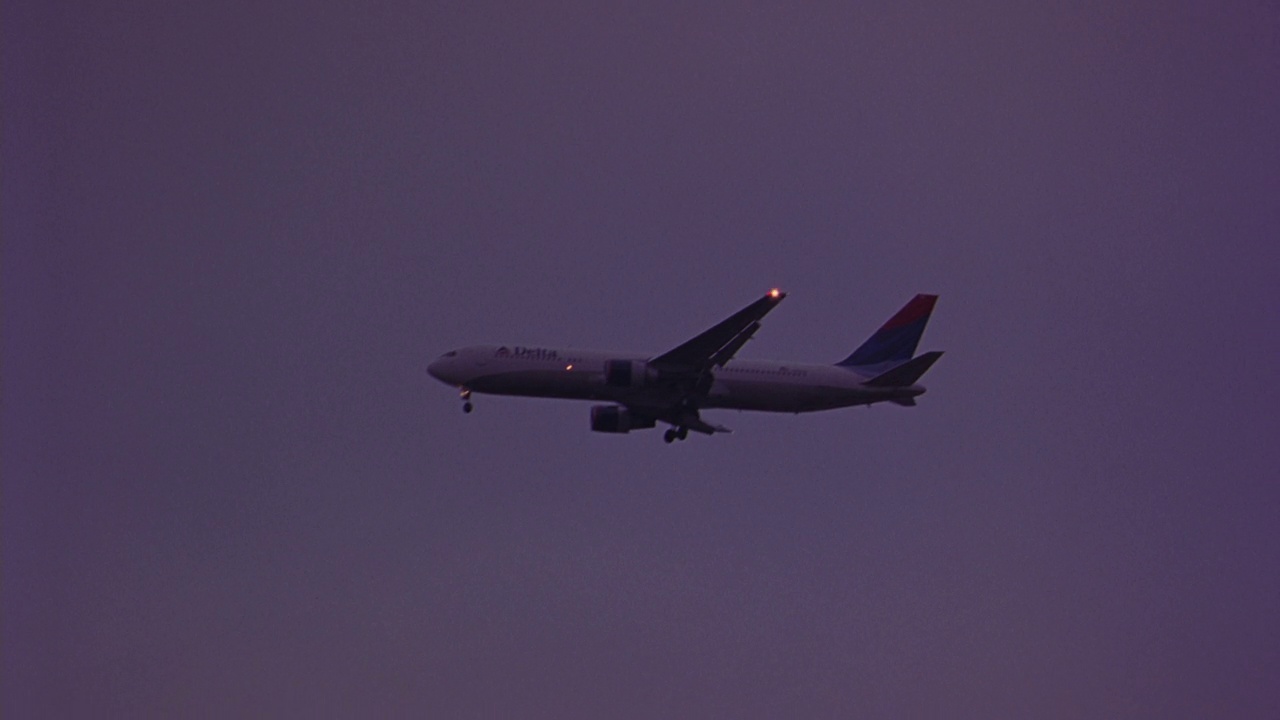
(717, 346)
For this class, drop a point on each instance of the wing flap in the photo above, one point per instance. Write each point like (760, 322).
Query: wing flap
(702, 426)
(724, 354)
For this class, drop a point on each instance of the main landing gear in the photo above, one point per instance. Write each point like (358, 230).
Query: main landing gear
(674, 434)
(466, 400)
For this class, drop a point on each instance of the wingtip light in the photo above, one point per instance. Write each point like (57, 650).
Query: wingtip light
(775, 293)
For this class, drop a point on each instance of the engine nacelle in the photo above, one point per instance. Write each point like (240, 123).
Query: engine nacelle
(617, 419)
(628, 373)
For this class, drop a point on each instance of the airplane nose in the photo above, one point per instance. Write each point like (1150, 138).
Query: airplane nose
(445, 368)
(439, 369)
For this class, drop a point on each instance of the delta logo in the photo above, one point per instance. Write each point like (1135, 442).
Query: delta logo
(526, 353)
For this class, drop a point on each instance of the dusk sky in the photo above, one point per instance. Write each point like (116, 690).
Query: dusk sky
(235, 234)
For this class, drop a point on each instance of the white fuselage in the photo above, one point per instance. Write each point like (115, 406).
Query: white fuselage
(580, 375)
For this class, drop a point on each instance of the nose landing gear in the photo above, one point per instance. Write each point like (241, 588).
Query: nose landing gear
(466, 400)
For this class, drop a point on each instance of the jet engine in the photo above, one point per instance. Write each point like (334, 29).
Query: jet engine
(617, 419)
(628, 373)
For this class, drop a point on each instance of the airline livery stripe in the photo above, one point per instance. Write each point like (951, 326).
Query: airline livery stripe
(919, 308)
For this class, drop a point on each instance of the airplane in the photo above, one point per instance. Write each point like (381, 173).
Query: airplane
(700, 374)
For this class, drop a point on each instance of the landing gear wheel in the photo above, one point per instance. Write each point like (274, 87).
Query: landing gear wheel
(682, 433)
(467, 407)
(466, 400)
(669, 436)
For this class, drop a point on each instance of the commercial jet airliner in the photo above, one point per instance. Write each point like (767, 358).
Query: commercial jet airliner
(675, 386)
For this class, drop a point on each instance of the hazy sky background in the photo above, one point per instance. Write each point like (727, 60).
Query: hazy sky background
(234, 234)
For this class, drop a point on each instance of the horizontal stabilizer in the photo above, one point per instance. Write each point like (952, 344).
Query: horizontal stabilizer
(907, 373)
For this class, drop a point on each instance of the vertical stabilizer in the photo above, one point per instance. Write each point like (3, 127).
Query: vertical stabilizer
(897, 339)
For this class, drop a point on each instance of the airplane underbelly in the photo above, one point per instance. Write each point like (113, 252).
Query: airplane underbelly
(756, 396)
(561, 384)
(771, 397)
(539, 383)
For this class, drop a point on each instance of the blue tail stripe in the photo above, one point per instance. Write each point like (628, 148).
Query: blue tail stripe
(895, 344)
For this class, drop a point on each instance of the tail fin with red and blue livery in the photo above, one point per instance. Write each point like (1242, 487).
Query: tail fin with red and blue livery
(895, 342)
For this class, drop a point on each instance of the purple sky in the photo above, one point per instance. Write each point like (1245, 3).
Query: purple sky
(234, 234)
